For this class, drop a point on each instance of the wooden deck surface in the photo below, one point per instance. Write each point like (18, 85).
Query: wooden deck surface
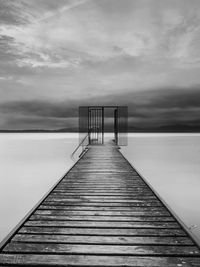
(101, 213)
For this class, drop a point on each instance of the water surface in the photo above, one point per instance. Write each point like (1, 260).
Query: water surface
(30, 164)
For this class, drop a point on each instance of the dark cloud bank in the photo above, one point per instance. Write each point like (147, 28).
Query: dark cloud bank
(167, 110)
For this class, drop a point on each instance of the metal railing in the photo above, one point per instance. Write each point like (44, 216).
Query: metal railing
(83, 147)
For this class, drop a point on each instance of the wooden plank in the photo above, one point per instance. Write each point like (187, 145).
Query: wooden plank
(100, 180)
(103, 261)
(101, 195)
(105, 204)
(102, 249)
(102, 213)
(105, 185)
(104, 181)
(136, 196)
(103, 176)
(101, 188)
(102, 218)
(114, 240)
(97, 200)
(91, 194)
(108, 189)
(104, 208)
(104, 188)
(97, 224)
(102, 171)
(103, 231)
(133, 188)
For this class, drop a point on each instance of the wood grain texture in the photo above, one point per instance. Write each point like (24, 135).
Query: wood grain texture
(114, 240)
(103, 261)
(146, 232)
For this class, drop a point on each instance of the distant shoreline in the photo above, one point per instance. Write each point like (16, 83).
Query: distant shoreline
(57, 131)
(174, 128)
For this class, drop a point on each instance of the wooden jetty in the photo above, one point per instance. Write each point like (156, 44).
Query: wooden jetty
(101, 213)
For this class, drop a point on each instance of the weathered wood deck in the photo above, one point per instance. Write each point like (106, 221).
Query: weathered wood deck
(102, 213)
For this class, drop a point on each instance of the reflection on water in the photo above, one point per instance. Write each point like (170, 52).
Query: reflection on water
(31, 163)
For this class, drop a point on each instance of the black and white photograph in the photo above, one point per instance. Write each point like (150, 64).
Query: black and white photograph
(100, 133)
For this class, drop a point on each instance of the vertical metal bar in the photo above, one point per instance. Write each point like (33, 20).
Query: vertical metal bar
(92, 125)
(100, 130)
(98, 125)
(116, 126)
(102, 125)
(88, 124)
(95, 126)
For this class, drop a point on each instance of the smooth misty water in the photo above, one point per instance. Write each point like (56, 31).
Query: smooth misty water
(31, 163)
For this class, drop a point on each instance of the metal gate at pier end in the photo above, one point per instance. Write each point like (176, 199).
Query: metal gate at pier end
(92, 124)
(96, 125)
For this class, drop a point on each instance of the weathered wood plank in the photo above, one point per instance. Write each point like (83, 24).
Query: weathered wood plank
(103, 208)
(102, 249)
(101, 170)
(98, 224)
(102, 195)
(105, 175)
(103, 261)
(102, 218)
(100, 187)
(114, 240)
(131, 213)
(99, 191)
(103, 231)
(106, 204)
(100, 200)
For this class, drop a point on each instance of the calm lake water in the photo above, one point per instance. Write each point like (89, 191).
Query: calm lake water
(30, 164)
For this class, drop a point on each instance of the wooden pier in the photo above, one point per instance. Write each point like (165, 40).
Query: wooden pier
(102, 213)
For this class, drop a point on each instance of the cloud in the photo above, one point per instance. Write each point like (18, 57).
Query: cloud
(40, 108)
(83, 30)
(146, 109)
(38, 43)
(11, 12)
(82, 52)
(5, 78)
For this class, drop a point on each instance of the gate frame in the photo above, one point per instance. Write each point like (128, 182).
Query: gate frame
(120, 117)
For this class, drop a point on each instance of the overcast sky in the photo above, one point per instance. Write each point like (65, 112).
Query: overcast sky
(58, 54)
